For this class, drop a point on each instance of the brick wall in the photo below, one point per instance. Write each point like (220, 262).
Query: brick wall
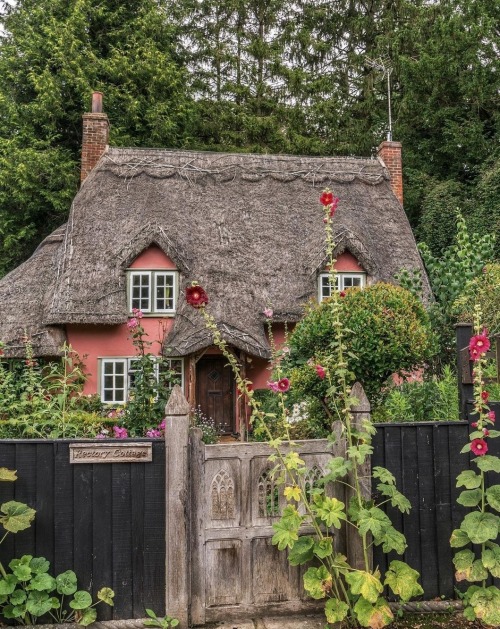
(390, 153)
(94, 141)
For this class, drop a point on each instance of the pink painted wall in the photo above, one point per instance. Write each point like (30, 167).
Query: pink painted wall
(347, 262)
(94, 342)
(257, 371)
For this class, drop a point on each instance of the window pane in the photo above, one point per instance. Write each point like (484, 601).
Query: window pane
(140, 291)
(113, 381)
(164, 291)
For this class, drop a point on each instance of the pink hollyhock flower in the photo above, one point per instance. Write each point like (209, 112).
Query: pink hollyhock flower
(273, 386)
(326, 198)
(485, 395)
(120, 433)
(132, 323)
(321, 371)
(491, 416)
(479, 447)
(479, 345)
(474, 424)
(196, 296)
(268, 312)
(137, 313)
(283, 385)
(333, 206)
(486, 432)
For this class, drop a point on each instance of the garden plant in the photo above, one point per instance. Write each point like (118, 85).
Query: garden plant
(353, 594)
(481, 526)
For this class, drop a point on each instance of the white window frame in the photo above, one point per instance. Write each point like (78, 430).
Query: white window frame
(153, 284)
(340, 277)
(114, 389)
(127, 362)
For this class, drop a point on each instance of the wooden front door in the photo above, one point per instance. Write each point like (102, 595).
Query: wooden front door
(214, 391)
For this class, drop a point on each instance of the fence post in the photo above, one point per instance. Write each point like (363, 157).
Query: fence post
(464, 370)
(176, 506)
(361, 411)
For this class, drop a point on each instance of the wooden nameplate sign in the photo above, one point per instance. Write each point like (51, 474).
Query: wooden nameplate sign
(110, 452)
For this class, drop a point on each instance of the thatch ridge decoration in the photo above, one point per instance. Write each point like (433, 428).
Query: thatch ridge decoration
(193, 166)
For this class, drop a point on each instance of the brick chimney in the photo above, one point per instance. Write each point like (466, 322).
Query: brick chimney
(95, 136)
(390, 154)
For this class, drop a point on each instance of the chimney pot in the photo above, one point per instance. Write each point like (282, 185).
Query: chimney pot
(97, 102)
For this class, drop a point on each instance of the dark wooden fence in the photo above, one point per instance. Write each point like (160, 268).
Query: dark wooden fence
(104, 521)
(107, 521)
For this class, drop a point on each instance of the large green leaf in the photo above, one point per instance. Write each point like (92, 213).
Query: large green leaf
(488, 463)
(373, 616)
(302, 551)
(383, 475)
(88, 617)
(39, 565)
(366, 584)
(463, 564)
(81, 600)
(329, 510)
(373, 521)
(18, 597)
(286, 534)
(491, 558)
(66, 583)
(336, 610)
(338, 467)
(470, 498)
(38, 603)
(9, 584)
(398, 500)
(7, 475)
(21, 567)
(459, 538)
(403, 580)
(392, 540)
(469, 479)
(493, 497)
(17, 516)
(317, 582)
(480, 527)
(42, 583)
(486, 604)
(324, 548)
(106, 595)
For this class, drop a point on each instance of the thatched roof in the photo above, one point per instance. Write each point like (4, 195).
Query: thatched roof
(25, 295)
(247, 227)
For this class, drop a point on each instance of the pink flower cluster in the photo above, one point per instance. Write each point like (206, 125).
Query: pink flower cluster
(120, 433)
(158, 432)
(329, 201)
(268, 313)
(320, 371)
(133, 322)
(479, 345)
(280, 386)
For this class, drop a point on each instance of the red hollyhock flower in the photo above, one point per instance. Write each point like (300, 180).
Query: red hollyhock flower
(321, 371)
(486, 432)
(474, 424)
(342, 293)
(491, 416)
(485, 395)
(479, 447)
(283, 385)
(326, 198)
(333, 206)
(196, 296)
(479, 344)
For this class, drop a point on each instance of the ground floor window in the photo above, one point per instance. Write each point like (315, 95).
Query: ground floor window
(118, 376)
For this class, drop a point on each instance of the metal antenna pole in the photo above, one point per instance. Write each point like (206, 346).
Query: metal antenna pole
(386, 69)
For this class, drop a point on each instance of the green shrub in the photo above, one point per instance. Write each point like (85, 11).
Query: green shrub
(388, 331)
(434, 399)
(485, 291)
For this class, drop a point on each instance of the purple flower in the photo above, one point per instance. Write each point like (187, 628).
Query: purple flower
(120, 433)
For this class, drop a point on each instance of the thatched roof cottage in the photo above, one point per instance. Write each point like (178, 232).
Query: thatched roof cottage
(147, 222)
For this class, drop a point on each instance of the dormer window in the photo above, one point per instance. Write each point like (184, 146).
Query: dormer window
(343, 281)
(153, 292)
